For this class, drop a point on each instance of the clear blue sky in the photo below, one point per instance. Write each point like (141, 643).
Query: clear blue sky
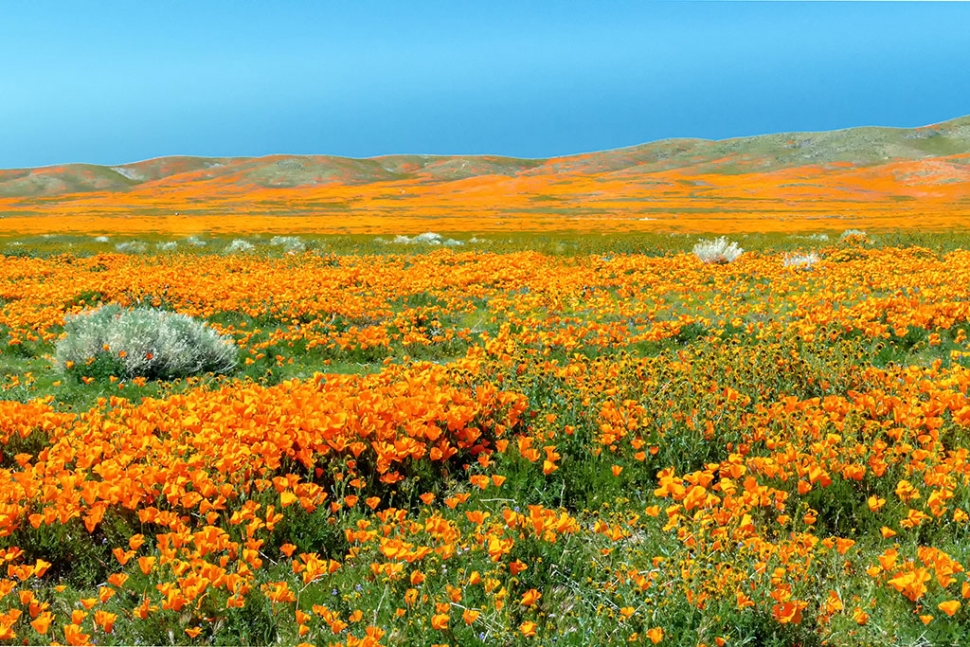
(110, 82)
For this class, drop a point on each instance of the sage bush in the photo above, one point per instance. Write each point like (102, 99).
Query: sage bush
(142, 342)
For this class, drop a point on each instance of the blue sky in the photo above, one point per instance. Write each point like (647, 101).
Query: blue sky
(111, 82)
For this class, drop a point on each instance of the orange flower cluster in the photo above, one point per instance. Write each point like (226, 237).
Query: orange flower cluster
(195, 452)
(375, 303)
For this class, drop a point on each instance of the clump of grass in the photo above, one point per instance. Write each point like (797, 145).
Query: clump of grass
(142, 342)
(801, 261)
(719, 251)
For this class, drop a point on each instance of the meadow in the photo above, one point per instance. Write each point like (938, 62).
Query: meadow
(509, 439)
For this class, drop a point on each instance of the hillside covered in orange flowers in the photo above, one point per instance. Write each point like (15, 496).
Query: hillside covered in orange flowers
(870, 178)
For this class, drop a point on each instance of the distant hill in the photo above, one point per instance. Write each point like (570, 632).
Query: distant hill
(857, 146)
(887, 177)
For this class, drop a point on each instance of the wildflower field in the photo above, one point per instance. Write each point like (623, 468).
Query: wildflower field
(585, 441)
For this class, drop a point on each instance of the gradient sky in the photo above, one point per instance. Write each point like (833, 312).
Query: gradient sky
(113, 82)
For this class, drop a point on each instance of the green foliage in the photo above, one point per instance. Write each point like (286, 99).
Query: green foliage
(78, 559)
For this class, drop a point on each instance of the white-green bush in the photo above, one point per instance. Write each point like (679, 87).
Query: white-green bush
(167, 246)
(289, 244)
(718, 250)
(854, 234)
(239, 245)
(801, 261)
(131, 247)
(428, 238)
(145, 342)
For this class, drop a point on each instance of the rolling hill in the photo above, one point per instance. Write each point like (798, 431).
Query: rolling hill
(886, 177)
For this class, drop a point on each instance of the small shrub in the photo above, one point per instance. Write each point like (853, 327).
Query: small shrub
(853, 237)
(239, 245)
(167, 246)
(801, 261)
(195, 241)
(143, 342)
(429, 238)
(290, 244)
(718, 250)
(131, 247)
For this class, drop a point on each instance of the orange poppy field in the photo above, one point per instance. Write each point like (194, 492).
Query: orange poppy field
(467, 446)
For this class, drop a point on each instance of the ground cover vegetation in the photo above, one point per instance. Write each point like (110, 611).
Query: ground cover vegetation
(416, 444)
